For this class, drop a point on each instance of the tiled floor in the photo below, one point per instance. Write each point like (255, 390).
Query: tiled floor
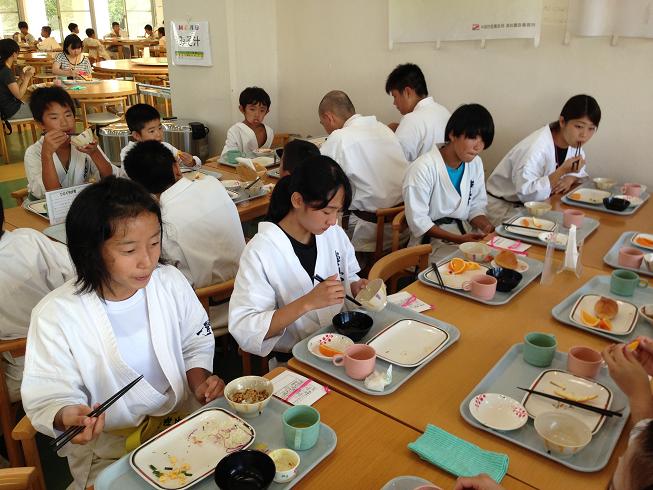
(12, 175)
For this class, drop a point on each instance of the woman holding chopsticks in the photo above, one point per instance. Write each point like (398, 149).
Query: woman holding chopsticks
(548, 161)
(71, 63)
(124, 315)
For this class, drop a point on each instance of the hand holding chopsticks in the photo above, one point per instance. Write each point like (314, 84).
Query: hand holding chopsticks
(74, 430)
(591, 408)
(320, 279)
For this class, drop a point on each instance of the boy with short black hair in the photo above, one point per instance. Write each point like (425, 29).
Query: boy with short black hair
(144, 121)
(203, 236)
(53, 162)
(423, 122)
(73, 28)
(46, 42)
(149, 34)
(251, 134)
(295, 153)
(93, 46)
(23, 36)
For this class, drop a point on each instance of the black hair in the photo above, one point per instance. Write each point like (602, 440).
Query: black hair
(254, 95)
(640, 467)
(140, 114)
(72, 26)
(150, 164)
(407, 75)
(22, 24)
(161, 31)
(7, 48)
(72, 41)
(577, 107)
(2, 218)
(90, 31)
(42, 97)
(113, 24)
(47, 29)
(295, 152)
(471, 120)
(148, 27)
(317, 180)
(92, 220)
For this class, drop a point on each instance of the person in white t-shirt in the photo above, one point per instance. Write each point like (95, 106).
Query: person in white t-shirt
(46, 42)
(422, 126)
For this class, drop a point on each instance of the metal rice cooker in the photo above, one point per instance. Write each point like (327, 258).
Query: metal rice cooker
(114, 138)
(186, 135)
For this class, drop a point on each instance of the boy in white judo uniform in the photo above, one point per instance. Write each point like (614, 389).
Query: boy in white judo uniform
(548, 161)
(444, 189)
(423, 119)
(250, 134)
(371, 156)
(202, 234)
(125, 315)
(144, 121)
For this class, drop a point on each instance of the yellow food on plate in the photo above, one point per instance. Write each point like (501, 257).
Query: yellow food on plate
(646, 242)
(325, 350)
(471, 266)
(605, 324)
(588, 319)
(576, 196)
(573, 397)
(457, 265)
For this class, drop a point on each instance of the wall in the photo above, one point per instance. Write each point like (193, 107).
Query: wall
(244, 47)
(345, 46)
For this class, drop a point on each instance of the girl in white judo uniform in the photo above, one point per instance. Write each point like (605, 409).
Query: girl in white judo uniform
(124, 315)
(251, 134)
(444, 190)
(276, 300)
(545, 162)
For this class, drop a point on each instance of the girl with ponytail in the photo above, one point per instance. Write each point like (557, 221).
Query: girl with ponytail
(277, 300)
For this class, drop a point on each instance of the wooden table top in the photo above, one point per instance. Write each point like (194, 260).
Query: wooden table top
(103, 88)
(40, 56)
(487, 332)
(127, 41)
(127, 66)
(19, 217)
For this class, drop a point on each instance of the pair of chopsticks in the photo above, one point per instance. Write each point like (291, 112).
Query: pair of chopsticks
(602, 411)
(320, 279)
(250, 185)
(72, 431)
(505, 225)
(438, 276)
(574, 166)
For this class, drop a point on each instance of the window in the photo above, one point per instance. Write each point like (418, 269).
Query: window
(60, 13)
(139, 13)
(9, 17)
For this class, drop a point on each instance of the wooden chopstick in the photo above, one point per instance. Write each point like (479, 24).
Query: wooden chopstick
(591, 408)
(72, 431)
(320, 279)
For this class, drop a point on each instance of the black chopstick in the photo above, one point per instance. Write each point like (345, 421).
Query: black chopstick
(602, 411)
(506, 225)
(250, 185)
(574, 166)
(318, 278)
(72, 431)
(436, 270)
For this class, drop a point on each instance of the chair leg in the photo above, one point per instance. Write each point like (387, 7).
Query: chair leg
(7, 422)
(247, 362)
(4, 151)
(32, 459)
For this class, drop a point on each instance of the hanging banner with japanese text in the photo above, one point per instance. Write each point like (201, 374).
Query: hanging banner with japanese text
(190, 43)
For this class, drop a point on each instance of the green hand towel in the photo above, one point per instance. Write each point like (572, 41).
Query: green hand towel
(457, 456)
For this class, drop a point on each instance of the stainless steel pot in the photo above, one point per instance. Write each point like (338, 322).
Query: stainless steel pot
(188, 136)
(114, 138)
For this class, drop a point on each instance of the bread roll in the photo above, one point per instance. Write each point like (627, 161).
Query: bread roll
(507, 260)
(606, 308)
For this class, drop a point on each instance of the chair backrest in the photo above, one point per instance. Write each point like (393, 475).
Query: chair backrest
(101, 101)
(399, 224)
(383, 216)
(23, 478)
(20, 195)
(218, 292)
(390, 267)
(8, 410)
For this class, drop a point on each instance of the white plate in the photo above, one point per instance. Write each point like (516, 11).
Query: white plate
(537, 225)
(38, 207)
(642, 235)
(521, 266)
(408, 343)
(451, 280)
(633, 200)
(81, 81)
(561, 238)
(232, 195)
(333, 340)
(264, 151)
(231, 185)
(622, 324)
(580, 387)
(589, 196)
(199, 441)
(265, 161)
(498, 411)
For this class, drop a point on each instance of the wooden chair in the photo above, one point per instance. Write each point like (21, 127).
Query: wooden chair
(399, 224)
(18, 125)
(103, 117)
(8, 410)
(20, 195)
(26, 434)
(24, 478)
(383, 216)
(391, 267)
(218, 292)
(280, 140)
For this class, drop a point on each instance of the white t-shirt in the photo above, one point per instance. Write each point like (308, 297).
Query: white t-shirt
(131, 326)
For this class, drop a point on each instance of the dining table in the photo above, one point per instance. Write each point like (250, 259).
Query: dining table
(128, 67)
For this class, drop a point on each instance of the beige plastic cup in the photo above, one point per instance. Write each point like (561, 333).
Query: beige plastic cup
(374, 296)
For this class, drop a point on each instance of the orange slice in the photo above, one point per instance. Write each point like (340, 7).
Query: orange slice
(525, 222)
(472, 266)
(605, 324)
(644, 241)
(457, 265)
(325, 350)
(576, 196)
(633, 345)
(588, 319)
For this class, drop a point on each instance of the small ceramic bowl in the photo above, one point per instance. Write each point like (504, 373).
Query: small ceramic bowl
(604, 183)
(507, 279)
(646, 312)
(648, 261)
(249, 469)
(476, 251)
(616, 204)
(498, 411)
(249, 410)
(353, 324)
(334, 341)
(562, 433)
(537, 208)
(286, 462)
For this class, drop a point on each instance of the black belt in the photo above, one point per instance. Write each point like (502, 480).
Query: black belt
(281, 356)
(365, 215)
(514, 203)
(444, 221)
